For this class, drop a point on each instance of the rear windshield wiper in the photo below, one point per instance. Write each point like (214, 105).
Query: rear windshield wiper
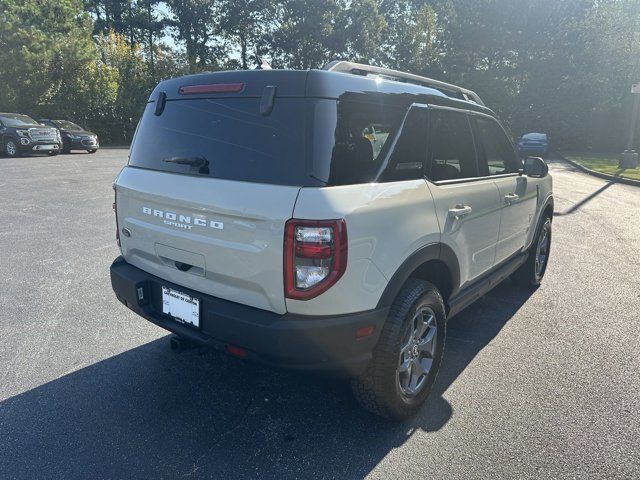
(191, 161)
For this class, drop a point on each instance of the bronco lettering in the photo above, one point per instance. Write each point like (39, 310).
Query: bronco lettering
(182, 221)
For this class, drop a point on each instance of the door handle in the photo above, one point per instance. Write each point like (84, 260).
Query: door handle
(460, 211)
(511, 197)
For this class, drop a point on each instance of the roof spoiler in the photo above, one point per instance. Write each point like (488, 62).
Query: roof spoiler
(343, 66)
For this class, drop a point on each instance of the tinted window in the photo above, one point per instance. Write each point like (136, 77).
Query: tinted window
(350, 139)
(225, 138)
(67, 125)
(410, 150)
(535, 136)
(499, 155)
(452, 152)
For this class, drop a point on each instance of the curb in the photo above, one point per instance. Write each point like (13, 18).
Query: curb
(606, 176)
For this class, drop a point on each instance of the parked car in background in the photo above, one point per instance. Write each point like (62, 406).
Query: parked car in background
(533, 144)
(22, 134)
(74, 137)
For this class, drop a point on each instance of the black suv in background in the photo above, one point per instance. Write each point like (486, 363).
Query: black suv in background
(21, 134)
(74, 137)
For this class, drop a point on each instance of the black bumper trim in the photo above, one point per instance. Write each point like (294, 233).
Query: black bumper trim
(290, 341)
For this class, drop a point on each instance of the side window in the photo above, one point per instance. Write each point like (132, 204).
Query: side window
(499, 155)
(452, 151)
(410, 151)
(353, 135)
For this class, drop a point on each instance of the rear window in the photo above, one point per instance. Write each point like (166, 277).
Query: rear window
(225, 138)
(535, 136)
(303, 141)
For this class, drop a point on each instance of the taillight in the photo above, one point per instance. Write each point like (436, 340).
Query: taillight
(315, 256)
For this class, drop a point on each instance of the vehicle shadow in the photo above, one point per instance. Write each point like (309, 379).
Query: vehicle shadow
(152, 413)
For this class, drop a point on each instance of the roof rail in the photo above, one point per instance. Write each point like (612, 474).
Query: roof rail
(343, 66)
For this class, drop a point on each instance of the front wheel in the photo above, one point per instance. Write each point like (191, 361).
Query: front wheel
(53, 153)
(93, 150)
(11, 148)
(532, 271)
(407, 357)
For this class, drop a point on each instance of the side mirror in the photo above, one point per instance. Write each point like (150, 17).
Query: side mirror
(535, 167)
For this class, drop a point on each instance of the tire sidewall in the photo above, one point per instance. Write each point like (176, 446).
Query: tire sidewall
(432, 299)
(6, 148)
(546, 225)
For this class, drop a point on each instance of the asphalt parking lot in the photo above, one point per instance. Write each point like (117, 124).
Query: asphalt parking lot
(541, 384)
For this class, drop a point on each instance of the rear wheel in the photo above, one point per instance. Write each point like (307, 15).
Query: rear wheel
(11, 148)
(408, 355)
(532, 271)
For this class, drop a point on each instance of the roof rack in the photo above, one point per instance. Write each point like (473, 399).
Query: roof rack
(343, 66)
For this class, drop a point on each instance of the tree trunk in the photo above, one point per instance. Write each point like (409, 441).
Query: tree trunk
(151, 52)
(243, 52)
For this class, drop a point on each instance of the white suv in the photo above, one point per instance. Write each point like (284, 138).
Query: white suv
(326, 220)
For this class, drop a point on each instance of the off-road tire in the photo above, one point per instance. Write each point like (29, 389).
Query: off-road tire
(527, 274)
(378, 389)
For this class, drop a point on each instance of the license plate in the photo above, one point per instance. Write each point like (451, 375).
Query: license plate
(181, 306)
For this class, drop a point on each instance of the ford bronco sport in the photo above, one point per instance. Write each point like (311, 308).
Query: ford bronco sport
(325, 220)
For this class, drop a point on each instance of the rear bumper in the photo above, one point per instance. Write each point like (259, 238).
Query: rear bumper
(297, 342)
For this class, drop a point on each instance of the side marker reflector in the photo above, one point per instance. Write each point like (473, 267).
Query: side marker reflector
(236, 351)
(365, 331)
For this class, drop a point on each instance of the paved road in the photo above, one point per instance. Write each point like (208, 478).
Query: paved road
(538, 385)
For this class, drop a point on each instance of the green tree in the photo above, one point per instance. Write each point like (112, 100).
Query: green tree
(45, 44)
(151, 24)
(308, 35)
(245, 24)
(120, 16)
(133, 88)
(197, 23)
(411, 37)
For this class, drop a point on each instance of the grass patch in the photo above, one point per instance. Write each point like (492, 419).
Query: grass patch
(604, 164)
